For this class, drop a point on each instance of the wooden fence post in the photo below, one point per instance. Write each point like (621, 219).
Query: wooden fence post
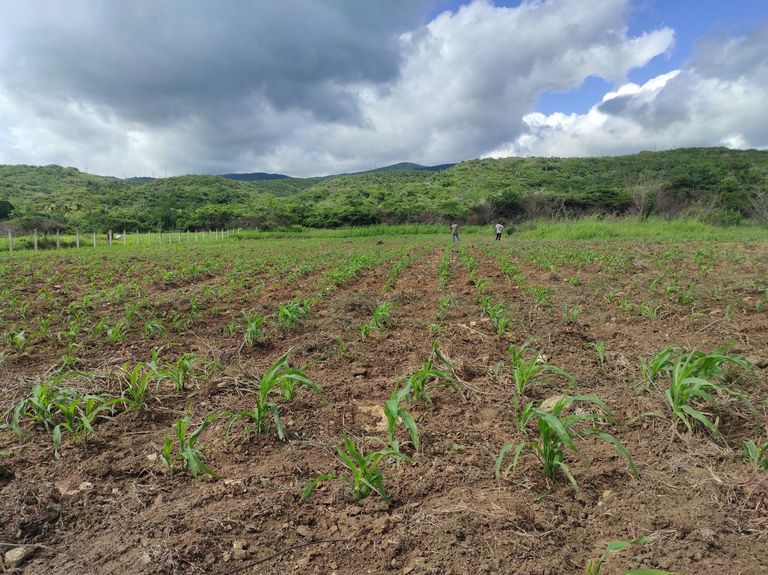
(187, 236)
(94, 239)
(35, 239)
(58, 239)
(77, 239)
(10, 241)
(109, 236)
(137, 237)
(125, 238)
(160, 237)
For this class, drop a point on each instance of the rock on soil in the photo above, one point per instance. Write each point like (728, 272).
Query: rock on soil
(17, 556)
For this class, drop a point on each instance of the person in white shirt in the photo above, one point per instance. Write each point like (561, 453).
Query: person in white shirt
(498, 227)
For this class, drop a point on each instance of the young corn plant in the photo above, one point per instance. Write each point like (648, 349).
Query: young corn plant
(396, 413)
(571, 314)
(118, 332)
(254, 329)
(78, 415)
(293, 313)
(533, 371)
(280, 379)
(756, 454)
(430, 376)
(595, 566)
(556, 433)
(178, 372)
(364, 475)
(137, 380)
(599, 349)
(382, 316)
(691, 385)
(183, 450)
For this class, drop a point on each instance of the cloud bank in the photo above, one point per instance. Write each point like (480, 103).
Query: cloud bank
(306, 88)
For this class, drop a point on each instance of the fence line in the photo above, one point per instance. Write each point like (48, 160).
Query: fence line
(14, 243)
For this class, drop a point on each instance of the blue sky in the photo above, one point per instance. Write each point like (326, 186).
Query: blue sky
(690, 19)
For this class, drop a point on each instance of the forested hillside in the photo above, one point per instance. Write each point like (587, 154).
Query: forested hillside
(716, 182)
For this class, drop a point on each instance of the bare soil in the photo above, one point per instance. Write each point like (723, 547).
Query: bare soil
(109, 506)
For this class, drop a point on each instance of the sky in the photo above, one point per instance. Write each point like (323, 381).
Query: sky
(315, 87)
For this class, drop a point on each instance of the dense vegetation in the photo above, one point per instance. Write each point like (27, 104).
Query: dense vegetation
(715, 183)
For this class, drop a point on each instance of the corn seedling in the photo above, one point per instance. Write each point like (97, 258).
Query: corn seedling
(647, 310)
(429, 376)
(595, 566)
(382, 316)
(556, 433)
(532, 371)
(178, 372)
(79, 414)
(280, 379)
(500, 317)
(254, 328)
(292, 313)
(395, 413)
(117, 332)
(154, 328)
(184, 451)
(364, 475)
(571, 314)
(756, 454)
(690, 384)
(599, 348)
(137, 382)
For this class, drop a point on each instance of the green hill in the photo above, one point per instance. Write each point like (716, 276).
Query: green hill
(717, 180)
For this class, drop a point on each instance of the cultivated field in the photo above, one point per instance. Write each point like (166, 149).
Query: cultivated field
(487, 407)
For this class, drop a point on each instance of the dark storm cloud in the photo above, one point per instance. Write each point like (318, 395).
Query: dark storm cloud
(151, 61)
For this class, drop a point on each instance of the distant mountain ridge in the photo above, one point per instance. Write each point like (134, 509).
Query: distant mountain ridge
(715, 179)
(255, 176)
(265, 176)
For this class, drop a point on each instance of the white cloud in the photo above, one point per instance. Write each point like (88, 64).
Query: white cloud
(296, 90)
(718, 98)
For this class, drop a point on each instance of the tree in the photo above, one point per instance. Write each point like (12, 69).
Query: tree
(6, 208)
(758, 199)
(644, 190)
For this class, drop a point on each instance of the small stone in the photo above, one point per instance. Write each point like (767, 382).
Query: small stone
(550, 402)
(240, 549)
(144, 559)
(380, 525)
(85, 486)
(152, 457)
(304, 531)
(18, 555)
(359, 371)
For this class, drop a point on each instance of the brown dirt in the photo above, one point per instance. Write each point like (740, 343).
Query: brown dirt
(108, 507)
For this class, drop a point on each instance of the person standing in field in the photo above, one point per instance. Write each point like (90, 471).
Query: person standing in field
(498, 227)
(455, 232)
